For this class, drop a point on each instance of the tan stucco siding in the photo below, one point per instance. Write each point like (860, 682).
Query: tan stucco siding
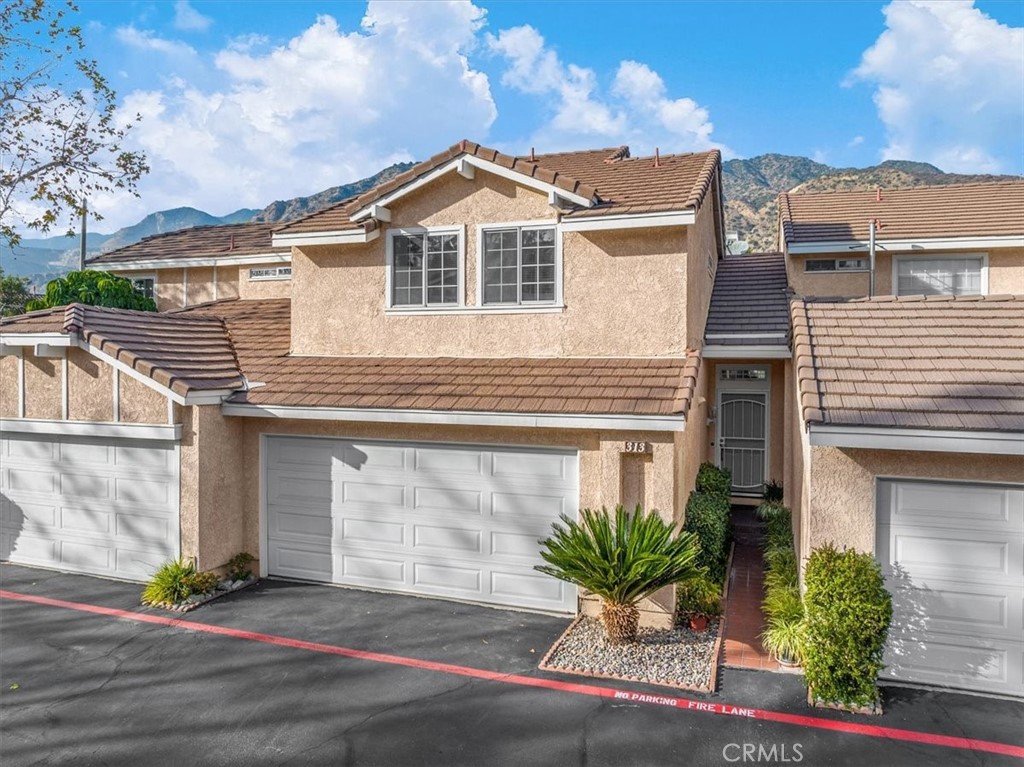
(170, 289)
(842, 483)
(139, 403)
(177, 288)
(43, 386)
(8, 386)
(90, 388)
(694, 445)
(260, 289)
(624, 292)
(701, 265)
(1005, 272)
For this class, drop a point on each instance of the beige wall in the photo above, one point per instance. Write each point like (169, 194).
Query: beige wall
(624, 292)
(175, 289)
(1005, 273)
(43, 378)
(8, 386)
(841, 503)
(701, 266)
(261, 289)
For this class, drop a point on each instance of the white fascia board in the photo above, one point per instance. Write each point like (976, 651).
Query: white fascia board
(35, 339)
(780, 352)
(334, 237)
(208, 396)
(91, 429)
(637, 221)
(930, 440)
(460, 165)
(901, 245)
(462, 418)
(181, 263)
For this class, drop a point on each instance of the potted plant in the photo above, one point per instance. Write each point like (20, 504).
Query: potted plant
(698, 601)
(785, 638)
(622, 558)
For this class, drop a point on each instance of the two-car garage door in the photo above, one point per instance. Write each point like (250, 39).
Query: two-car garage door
(103, 506)
(953, 556)
(455, 521)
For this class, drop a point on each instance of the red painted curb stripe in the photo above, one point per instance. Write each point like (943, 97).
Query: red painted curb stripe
(799, 720)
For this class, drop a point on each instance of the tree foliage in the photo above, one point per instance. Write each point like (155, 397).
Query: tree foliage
(61, 138)
(95, 289)
(14, 294)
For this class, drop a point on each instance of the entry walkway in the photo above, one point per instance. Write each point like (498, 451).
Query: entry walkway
(744, 620)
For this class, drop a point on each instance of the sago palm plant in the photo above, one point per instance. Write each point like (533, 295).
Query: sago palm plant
(621, 558)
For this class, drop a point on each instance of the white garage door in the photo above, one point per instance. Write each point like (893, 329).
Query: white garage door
(953, 555)
(100, 506)
(456, 521)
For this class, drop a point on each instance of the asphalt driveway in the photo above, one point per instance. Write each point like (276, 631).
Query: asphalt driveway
(86, 688)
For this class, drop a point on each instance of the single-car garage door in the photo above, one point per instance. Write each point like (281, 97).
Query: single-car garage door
(455, 521)
(953, 556)
(99, 506)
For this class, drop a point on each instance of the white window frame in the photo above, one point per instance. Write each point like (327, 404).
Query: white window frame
(897, 260)
(460, 233)
(144, 276)
(835, 265)
(532, 306)
(271, 277)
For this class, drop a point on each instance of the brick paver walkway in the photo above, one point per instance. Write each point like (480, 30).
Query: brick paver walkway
(744, 621)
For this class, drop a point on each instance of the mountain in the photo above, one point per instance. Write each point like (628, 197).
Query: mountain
(284, 210)
(752, 186)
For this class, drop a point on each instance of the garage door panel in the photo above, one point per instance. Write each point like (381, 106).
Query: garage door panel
(289, 488)
(302, 560)
(30, 450)
(76, 519)
(144, 527)
(310, 523)
(953, 558)
(28, 481)
(75, 454)
(300, 453)
(85, 486)
(434, 519)
(31, 549)
(147, 459)
(30, 515)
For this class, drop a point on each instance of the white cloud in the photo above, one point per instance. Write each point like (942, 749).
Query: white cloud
(949, 86)
(328, 107)
(146, 40)
(188, 19)
(855, 141)
(636, 109)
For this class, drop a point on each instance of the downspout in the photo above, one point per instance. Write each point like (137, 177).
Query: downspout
(871, 253)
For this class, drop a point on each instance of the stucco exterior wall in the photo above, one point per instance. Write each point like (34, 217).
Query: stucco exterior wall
(139, 403)
(624, 292)
(693, 445)
(90, 388)
(1005, 272)
(175, 289)
(701, 265)
(260, 289)
(43, 388)
(841, 503)
(8, 386)
(169, 288)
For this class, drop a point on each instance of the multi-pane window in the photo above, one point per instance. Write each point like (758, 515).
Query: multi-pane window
(835, 264)
(425, 269)
(146, 286)
(939, 276)
(518, 266)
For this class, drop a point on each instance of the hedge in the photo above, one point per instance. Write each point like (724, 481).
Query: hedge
(707, 515)
(848, 616)
(713, 480)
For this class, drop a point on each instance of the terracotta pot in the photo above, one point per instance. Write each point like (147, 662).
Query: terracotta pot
(699, 622)
(789, 662)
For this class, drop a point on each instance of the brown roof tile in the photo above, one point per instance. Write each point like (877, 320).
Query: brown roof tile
(749, 302)
(954, 210)
(198, 242)
(867, 362)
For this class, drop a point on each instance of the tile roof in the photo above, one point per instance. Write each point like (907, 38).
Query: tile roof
(548, 385)
(933, 362)
(955, 210)
(619, 183)
(259, 329)
(185, 354)
(198, 242)
(749, 302)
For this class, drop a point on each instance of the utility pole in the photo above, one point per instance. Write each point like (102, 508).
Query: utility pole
(871, 250)
(81, 248)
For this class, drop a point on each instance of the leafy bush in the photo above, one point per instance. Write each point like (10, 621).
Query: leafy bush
(785, 639)
(700, 596)
(621, 558)
(784, 603)
(94, 288)
(848, 617)
(175, 582)
(778, 525)
(713, 480)
(238, 566)
(772, 492)
(707, 516)
(782, 569)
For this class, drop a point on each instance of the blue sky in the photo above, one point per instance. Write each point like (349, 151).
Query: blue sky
(246, 102)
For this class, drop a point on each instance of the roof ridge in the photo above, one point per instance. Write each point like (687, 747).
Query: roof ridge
(803, 349)
(704, 179)
(1011, 181)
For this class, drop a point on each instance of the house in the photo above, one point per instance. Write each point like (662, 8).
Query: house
(482, 344)
(486, 342)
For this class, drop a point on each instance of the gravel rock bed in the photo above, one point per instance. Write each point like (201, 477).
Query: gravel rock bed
(676, 657)
(194, 601)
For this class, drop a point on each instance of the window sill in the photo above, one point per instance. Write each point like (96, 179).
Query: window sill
(421, 311)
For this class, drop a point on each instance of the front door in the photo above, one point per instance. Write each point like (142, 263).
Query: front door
(743, 426)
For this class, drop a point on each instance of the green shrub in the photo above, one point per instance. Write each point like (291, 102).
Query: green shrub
(202, 583)
(772, 492)
(700, 596)
(786, 639)
(848, 616)
(171, 584)
(621, 558)
(778, 525)
(784, 603)
(238, 566)
(707, 516)
(782, 571)
(713, 480)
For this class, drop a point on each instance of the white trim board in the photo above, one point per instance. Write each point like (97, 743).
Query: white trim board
(906, 244)
(34, 339)
(929, 440)
(332, 237)
(609, 422)
(181, 263)
(99, 429)
(635, 221)
(774, 352)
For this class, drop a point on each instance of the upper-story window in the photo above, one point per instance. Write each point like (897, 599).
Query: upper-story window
(145, 285)
(518, 266)
(835, 264)
(949, 275)
(425, 268)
